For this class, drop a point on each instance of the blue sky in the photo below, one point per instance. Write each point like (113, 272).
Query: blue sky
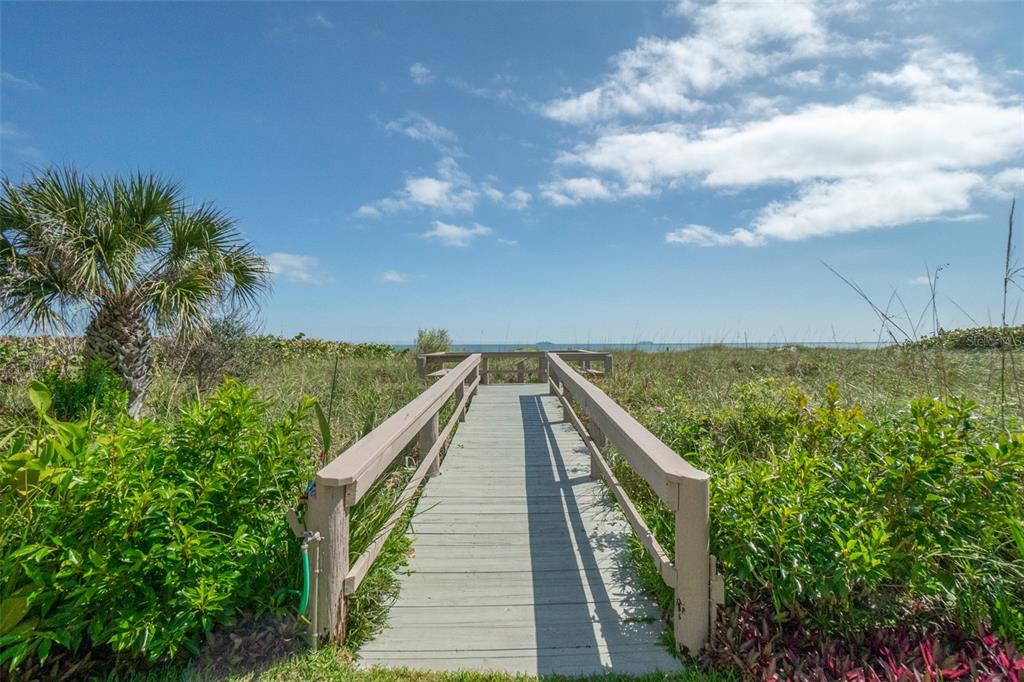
(568, 172)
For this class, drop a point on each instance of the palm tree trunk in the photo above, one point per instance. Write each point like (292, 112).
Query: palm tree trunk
(119, 333)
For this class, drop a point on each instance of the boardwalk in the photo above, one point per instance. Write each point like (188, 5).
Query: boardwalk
(520, 558)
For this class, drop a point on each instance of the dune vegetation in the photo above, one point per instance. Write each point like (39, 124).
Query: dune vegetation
(859, 496)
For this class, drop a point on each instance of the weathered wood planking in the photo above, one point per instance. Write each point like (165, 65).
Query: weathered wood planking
(520, 558)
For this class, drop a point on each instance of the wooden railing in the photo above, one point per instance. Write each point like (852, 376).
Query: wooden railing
(433, 364)
(347, 478)
(689, 569)
(684, 490)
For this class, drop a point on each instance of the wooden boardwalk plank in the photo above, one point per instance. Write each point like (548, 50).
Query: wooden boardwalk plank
(520, 560)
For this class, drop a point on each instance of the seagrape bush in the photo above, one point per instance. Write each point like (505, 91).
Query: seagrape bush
(976, 338)
(139, 536)
(843, 522)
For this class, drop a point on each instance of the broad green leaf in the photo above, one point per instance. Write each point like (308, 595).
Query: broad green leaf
(40, 396)
(12, 610)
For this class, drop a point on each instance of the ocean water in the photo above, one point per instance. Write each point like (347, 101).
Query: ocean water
(650, 346)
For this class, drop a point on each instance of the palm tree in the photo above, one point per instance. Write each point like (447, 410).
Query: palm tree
(128, 254)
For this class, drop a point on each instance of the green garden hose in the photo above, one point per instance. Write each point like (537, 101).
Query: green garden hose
(304, 598)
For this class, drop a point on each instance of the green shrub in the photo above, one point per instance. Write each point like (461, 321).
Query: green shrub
(846, 522)
(976, 338)
(433, 341)
(76, 391)
(140, 537)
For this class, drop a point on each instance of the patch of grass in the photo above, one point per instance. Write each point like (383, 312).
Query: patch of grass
(330, 664)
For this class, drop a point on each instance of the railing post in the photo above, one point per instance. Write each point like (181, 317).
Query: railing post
(421, 366)
(485, 364)
(521, 371)
(326, 514)
(693, 567)
(542, 369)
(608, 364)
(428, 436)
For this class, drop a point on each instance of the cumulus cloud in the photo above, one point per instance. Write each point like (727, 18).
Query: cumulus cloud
(883, 200)
(730, 43)
(1006, 183)
(420, 74)
(449, 190)
(921, 280)
(935, 75)
(573, 191)
(518, 199)
(295, 267)
(916, 150)
(455, 235)
(395, 277)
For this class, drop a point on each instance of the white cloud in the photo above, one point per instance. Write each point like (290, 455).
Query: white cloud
(8, 78)
(731, 42)
(802, 78)
(864, 164)
(368, 211)
(297, 268)
(418, 127)
(395, 277)
(865, 136)
(318, 19)
(883, 200)
(701, 235)
(420, 74)
(518, 199)
(921, 280)
(573, 191)
(454, 235)
(8, 129)
(932, 74)
(449, 190)
(508, 242)
(1006, 183)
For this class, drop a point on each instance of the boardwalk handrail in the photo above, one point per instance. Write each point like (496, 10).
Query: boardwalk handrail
(425, 362)
(345, 480)
(683, 488)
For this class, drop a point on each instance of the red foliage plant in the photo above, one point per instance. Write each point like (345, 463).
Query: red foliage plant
(748, 641)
